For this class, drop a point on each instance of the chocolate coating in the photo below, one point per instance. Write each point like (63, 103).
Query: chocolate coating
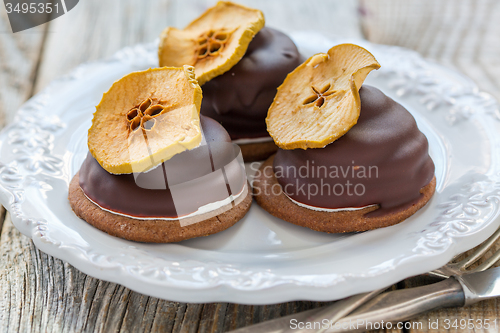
(385, 139)
(196, 172)
(239, 99)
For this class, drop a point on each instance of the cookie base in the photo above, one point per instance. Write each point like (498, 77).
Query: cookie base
(282, 207)
(151, 231)
(257, 151)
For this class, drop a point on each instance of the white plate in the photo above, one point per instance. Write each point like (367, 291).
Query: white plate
(261, 259)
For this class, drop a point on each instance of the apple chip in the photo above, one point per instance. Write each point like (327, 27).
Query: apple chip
(319, 101)
(214, 42)
(146, 118)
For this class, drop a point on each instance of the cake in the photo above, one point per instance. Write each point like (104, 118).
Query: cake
(239, 63)
(156, 171)
(347, 175)
(384, 158)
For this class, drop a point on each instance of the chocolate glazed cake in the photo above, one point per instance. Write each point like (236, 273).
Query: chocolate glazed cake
(376, 175)
(240, 98)
(196, 193)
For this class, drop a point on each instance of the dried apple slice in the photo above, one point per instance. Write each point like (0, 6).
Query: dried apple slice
(319, 101)
(146, 118)
(214, 42)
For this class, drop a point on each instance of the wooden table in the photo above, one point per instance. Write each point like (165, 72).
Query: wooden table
(42, 293)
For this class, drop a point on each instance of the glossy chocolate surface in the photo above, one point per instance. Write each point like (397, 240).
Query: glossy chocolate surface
(239, 99)
(178, 187)
(385, 152)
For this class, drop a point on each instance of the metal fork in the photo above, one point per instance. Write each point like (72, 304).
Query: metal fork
(450, 269)
(344, 307)
(459, 268)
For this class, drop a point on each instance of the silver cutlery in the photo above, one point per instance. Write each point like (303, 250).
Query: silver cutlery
(401, 305)
(460, 288)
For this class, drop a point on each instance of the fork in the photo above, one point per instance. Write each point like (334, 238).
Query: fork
(459, 268)
(450, 269)
(344, 307)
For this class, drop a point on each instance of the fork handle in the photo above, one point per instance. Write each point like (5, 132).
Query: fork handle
(401, 305)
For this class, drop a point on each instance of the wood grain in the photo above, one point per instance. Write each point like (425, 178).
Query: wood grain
(463, 35)
(20, 56)
(72, 39)
(19, 60)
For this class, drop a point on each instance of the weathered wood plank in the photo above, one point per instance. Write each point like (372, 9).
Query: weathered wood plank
(462, 34)
(72, 40)
(212, 318)
(97, 29)
(19, 58)
(459, 34)
(333, 18)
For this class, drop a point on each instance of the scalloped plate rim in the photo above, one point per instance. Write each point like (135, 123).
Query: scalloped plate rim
(281, 291)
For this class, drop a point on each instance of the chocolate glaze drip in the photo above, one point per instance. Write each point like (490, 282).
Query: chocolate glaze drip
(150, 194)
(386, 138)
(239, 99)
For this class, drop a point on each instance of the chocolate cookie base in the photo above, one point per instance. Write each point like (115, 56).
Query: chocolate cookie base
(257, 151)
(332, 222)
(151, 231)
